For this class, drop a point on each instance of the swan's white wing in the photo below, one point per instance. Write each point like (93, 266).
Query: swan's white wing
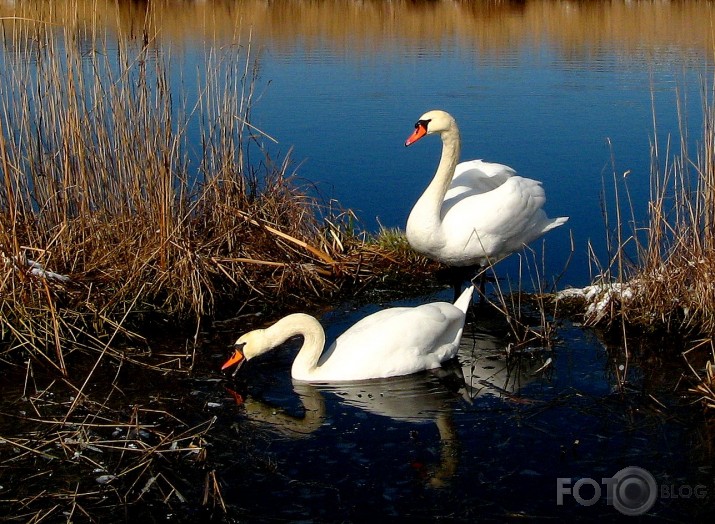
(475, 177)
(495, 222)
(395, 341)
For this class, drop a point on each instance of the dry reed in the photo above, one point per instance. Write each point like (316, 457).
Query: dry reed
(123, 199)
(122, 202)
(88, 459)
(659, 278)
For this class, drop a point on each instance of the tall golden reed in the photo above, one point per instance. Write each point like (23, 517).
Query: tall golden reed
(122, 196)
(660, 277)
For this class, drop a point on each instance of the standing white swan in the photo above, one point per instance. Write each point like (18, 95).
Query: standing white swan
(392, 342)
(473, 213)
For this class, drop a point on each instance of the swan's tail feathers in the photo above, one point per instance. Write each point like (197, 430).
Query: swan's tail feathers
(465, 299)
(554, 223)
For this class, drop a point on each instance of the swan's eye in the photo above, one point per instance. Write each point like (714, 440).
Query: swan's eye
(422, 123)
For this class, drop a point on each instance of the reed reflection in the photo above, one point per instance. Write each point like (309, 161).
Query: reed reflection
(577, 28)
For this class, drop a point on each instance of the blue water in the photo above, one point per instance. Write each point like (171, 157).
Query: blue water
(570, 123)
(577, 125)
(573, 120)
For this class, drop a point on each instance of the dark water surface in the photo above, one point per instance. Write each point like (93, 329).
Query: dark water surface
(494, 436)
(487, 438)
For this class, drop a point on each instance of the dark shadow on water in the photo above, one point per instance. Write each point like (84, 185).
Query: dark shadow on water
(486, 438)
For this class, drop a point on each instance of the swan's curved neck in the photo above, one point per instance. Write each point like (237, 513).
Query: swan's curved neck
(429, 205)
(313, 340)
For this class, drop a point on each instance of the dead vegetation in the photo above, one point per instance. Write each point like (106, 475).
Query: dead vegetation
(126, 205)
(73, 457)
(122, 199)
(659, 279)
(120, 203)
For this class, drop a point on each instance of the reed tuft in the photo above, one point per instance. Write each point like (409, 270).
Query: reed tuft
(126, 206)
(659, 279)
(122, 200)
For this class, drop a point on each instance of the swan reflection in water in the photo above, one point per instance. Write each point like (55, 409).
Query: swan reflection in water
(482, 369)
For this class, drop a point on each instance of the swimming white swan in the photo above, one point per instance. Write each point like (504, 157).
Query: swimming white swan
(475, 212)
(392, 342)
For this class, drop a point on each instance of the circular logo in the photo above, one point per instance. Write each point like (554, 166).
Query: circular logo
(635, 492)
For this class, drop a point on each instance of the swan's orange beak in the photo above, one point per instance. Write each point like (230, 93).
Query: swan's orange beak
(236, 358)
(420, 131)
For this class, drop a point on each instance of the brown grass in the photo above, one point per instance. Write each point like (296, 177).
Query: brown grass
(74, 458)
(124, 206)
(121, 201)
(667, 283)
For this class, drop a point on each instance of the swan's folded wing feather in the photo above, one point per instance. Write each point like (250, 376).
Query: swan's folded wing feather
(501, 220)
(396, 341)
(476, 177)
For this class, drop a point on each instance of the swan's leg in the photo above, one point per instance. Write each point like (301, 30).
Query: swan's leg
(458, 275)
(481, 274)
(482, 286)
(457, 287)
